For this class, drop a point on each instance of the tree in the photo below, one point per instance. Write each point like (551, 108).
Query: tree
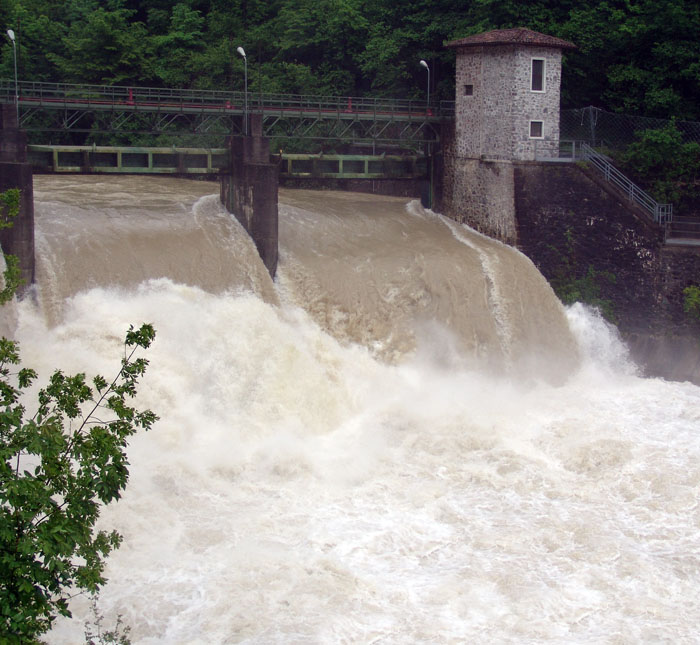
(335, 27)
(105, 47)
(57, 468)
(666, 165)
(39, 27)
(177, 50)
(639, 57)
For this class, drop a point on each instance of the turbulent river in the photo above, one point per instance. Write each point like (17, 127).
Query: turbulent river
(403, 439)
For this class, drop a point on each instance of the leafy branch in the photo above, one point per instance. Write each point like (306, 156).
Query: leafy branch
(57, 468)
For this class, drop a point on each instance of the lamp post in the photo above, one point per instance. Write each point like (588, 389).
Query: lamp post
(11, 35)
(429, 197)
(424, 64)
(241, 51)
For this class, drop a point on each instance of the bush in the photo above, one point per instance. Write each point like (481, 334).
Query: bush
(691, 301)
(665, 166)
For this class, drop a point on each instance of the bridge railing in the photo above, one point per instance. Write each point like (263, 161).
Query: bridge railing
(572, 150)
(65, 95)
(353, 166)
(211, 161)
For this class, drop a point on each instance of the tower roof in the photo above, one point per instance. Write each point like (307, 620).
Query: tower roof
(515, 36)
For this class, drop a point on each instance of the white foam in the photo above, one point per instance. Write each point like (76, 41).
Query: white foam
(298, 490)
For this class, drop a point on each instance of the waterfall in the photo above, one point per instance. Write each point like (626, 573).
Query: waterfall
(404, 439)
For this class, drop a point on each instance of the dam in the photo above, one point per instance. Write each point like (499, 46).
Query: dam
(404, 438)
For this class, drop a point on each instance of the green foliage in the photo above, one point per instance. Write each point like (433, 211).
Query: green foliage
(177, 51)
(9, 207)
(571, 284)
(96, 634)
(57, 468)
(637, 57)
(12, 276)
(105, 47)
(691, 301)
(666, 166)
(586, 289)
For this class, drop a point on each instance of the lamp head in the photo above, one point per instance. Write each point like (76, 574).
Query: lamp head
(424, 64)
(241, 51)
(11, 34)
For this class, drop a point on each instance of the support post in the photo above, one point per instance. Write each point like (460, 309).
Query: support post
(249, 190)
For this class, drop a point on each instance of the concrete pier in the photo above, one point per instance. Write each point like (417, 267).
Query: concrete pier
(249, 191)
(15, 172)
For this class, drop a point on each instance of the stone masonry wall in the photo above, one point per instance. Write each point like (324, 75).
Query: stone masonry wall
(536, 106)
(573, 225)
(479, 193)
(481, 117)
(474, 192)
(494, 121)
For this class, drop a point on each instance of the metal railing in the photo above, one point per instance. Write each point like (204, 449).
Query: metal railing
(124, 159)
(661, 213)
(353, 166)
(211, 161)
(101, 97)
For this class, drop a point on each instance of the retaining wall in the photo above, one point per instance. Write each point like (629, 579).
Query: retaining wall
(574, 226)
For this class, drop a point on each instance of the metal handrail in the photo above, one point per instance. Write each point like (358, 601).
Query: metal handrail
(60, 95)
(661, 213)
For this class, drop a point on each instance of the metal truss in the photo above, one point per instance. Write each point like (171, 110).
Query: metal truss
(355, 130)
(48, 107)
(293, 126)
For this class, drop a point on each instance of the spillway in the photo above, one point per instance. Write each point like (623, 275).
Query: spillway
(404, 439)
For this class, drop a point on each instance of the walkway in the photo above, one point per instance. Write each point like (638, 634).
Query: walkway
(51, 107)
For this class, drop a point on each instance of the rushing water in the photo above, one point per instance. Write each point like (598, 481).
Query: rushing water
(405, 439)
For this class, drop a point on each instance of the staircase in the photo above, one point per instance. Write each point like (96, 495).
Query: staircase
(679, 230)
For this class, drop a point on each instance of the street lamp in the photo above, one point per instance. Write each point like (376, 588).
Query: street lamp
(424, 64)
(241, 51)
(11, 35)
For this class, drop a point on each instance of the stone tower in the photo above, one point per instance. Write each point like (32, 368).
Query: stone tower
(507, 94)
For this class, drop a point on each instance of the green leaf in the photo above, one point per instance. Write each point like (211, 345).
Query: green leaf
(48, 544)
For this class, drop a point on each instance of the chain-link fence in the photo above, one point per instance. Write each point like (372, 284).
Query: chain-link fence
(615, 131)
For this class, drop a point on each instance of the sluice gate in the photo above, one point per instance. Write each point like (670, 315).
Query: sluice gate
(212, 161)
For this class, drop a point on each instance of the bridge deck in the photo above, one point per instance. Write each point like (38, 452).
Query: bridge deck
(115, 108)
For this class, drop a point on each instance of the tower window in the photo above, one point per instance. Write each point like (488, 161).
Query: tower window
(537, 75)
(468, 90)
(536, 130)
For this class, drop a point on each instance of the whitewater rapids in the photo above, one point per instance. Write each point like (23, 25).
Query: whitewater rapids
(404, 439)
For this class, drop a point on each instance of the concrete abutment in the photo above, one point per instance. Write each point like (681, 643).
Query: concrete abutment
(15, 172)
(576, 227)
(249, 191)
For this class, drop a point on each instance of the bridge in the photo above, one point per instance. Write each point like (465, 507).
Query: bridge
(91, 109)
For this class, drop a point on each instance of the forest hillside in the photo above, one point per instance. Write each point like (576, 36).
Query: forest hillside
(637, 57)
